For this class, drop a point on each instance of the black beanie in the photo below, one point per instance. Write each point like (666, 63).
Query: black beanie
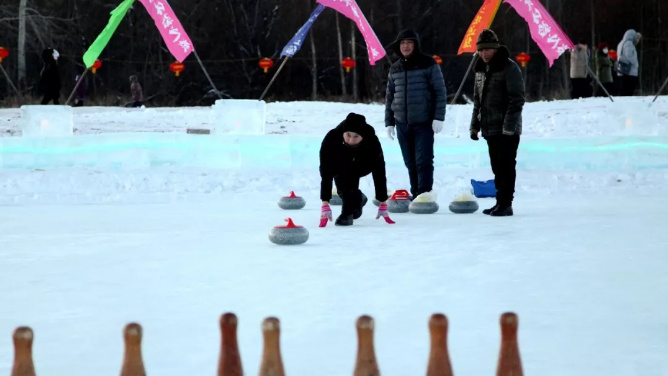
(355, 123)
(487, 39)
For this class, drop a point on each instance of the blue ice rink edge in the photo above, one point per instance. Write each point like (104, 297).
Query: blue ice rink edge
(121, 151)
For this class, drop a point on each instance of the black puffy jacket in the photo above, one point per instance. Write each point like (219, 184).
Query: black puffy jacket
(415, 87)
(337, 158)
(498, 96)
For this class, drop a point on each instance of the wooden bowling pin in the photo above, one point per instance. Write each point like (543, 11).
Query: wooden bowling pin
(439, 357)
(133, 365)
(365, 364)
(271, 364)
(510, 363)
(229, 362)
(23, 364)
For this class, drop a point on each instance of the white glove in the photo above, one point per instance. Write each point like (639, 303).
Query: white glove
(437, 126)
(390, 132)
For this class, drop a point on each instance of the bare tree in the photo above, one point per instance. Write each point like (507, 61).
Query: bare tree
(342, 74)
(21, 47)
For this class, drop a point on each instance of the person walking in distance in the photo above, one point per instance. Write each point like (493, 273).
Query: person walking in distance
(137, 92)
(49, 78)
(498, 100)
(415, 101)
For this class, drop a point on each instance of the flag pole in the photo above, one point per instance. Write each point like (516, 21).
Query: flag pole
(76, 86)
(599, 82)
(12, 84)
(660, 90)
(206, 74)
(461, 86)
(285, 59)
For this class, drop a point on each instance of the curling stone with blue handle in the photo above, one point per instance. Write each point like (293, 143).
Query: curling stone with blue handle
(291, 202)
(464, 204)
(289, 234)
(424, 203)
(399, 201)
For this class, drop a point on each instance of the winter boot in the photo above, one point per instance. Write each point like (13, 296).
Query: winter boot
(502, 211)
(490, 210)
(358, 212)
(344, 220)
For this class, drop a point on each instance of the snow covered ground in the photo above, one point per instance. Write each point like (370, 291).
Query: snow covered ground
(132, 219)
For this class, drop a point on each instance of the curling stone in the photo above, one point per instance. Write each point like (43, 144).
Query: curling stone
(424, 203)
(399, 201)
(291, 202)
(464, 204)
(289, 234)
(335, 200)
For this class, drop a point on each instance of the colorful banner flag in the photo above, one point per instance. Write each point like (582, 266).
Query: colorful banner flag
(101, 41)
(172, 32)
(482, 20)
(544, 29)
(350, 9)
(295, 43)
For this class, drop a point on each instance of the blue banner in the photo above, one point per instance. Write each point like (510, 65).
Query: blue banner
(295, 43)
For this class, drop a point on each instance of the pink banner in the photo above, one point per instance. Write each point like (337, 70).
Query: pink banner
(350, 9)
(172, 32)
(544, 29)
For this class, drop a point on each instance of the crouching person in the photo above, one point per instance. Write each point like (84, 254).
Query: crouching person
(348, 152)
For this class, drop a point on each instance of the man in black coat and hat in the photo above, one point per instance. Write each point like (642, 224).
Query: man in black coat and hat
(348, 152)
(498, 100)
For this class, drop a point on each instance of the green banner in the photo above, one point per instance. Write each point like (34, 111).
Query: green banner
(101, 41)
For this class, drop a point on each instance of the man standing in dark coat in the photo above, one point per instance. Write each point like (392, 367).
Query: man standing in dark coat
(348, 152)
(415, 104)
(49, 81)
(497, 112)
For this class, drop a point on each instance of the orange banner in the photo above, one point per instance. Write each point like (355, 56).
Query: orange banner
(482, 20)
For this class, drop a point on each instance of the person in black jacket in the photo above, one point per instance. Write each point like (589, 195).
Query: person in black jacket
(49, 81)
(498, 100)
(415, 101)
(348, 152)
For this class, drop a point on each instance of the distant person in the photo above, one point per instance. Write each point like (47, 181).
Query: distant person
(348, 152)
(80, 93)
(498, 100)
(627, 62)
(136, 91)
(603, 64)
(49, 80)
(580, 57)
(415, 101)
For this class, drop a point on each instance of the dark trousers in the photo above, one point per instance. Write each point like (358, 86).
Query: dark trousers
(49, 97)
(502, 157)
(580, 88)
(628, 85)
(417, 148)
(609, 86)
(347, 187)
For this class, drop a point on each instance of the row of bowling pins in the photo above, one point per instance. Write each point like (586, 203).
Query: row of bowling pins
(229, 362)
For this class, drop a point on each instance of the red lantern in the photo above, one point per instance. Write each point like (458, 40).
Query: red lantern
(523, 58)
(96, 65)
(438, 59)
(613, 54)
(265, 63)
(177, 68)
(348, 63)
(3, 53)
